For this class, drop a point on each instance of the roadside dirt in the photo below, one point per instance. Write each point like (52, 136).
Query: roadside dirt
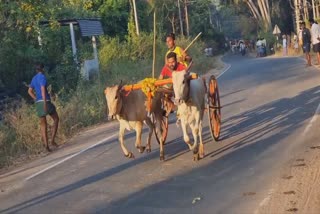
(297, 190)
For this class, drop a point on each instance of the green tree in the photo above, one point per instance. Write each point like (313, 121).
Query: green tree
(114, 14)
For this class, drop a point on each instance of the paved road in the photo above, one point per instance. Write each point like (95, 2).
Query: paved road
(267, 106)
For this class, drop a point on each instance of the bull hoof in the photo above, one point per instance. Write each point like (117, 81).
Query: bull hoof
(201, 151)
(201, 156)
(195, 151)
(161, 156)
(141, 149)
(196, 157)
(148, 150)
(129, 155)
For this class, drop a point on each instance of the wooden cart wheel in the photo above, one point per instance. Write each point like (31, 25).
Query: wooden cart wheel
(214, 108)
(163, 129)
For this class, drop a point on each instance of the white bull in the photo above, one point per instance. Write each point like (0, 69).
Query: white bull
(130, 110)
(190, 98)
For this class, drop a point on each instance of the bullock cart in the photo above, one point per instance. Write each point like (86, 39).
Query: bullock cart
(151, 86)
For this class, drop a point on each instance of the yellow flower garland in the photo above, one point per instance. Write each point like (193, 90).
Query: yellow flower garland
(148, 85)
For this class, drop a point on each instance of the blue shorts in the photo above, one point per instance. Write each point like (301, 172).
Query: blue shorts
(306, 48)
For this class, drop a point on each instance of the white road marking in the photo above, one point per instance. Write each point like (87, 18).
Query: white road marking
(228, 67)
(69, 157)
(264, 201)
(314, 118)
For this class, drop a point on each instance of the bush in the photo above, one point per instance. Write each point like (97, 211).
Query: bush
(19, 132)
(85, 107)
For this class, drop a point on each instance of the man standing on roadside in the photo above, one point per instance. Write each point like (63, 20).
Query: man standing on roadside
(306, 42)
(315, 36)
(43, 105)
(284, 45)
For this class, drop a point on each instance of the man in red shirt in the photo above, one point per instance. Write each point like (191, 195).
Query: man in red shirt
(172, 65)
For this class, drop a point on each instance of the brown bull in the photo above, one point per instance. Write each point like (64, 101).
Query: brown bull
(130, 110)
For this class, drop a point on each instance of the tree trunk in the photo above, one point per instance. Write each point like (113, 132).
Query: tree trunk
(305, 10)
(261, 12)
(297, 14)
(266, 10)
(255, 15)
(136, 17)
(154, 42)
(172, 21)
(180, 18)
(186, 16)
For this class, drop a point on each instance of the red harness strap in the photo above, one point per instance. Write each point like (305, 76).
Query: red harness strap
(127, 92)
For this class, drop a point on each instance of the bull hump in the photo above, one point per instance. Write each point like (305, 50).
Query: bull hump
(133, 105)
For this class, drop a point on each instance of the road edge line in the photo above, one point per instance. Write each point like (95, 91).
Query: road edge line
(225, 70)
(314, 118)
(69, 157)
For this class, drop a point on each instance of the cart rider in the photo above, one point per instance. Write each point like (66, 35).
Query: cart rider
(171, 65)
(182, 56)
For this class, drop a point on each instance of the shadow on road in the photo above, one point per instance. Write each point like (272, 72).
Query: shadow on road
(261, 128)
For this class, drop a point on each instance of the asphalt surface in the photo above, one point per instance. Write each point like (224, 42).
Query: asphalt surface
(267, 106)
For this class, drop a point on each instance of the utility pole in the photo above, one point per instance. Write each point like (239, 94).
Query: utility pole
(186, 15)
(73, 44)
(136, 17)
(305, 9)
(180, 18)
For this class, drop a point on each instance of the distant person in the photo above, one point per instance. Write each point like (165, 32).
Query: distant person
(182, 56)
(43, 105)
(259, 47)
(300, 36)
(242, 47)
(284, 45)
(264, 46)
(296, 44)
(252, 45)
(208, 52)
(306, 42)
(315, 38)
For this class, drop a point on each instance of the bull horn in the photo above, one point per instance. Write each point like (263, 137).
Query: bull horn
(120, 85)
(189, 66)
